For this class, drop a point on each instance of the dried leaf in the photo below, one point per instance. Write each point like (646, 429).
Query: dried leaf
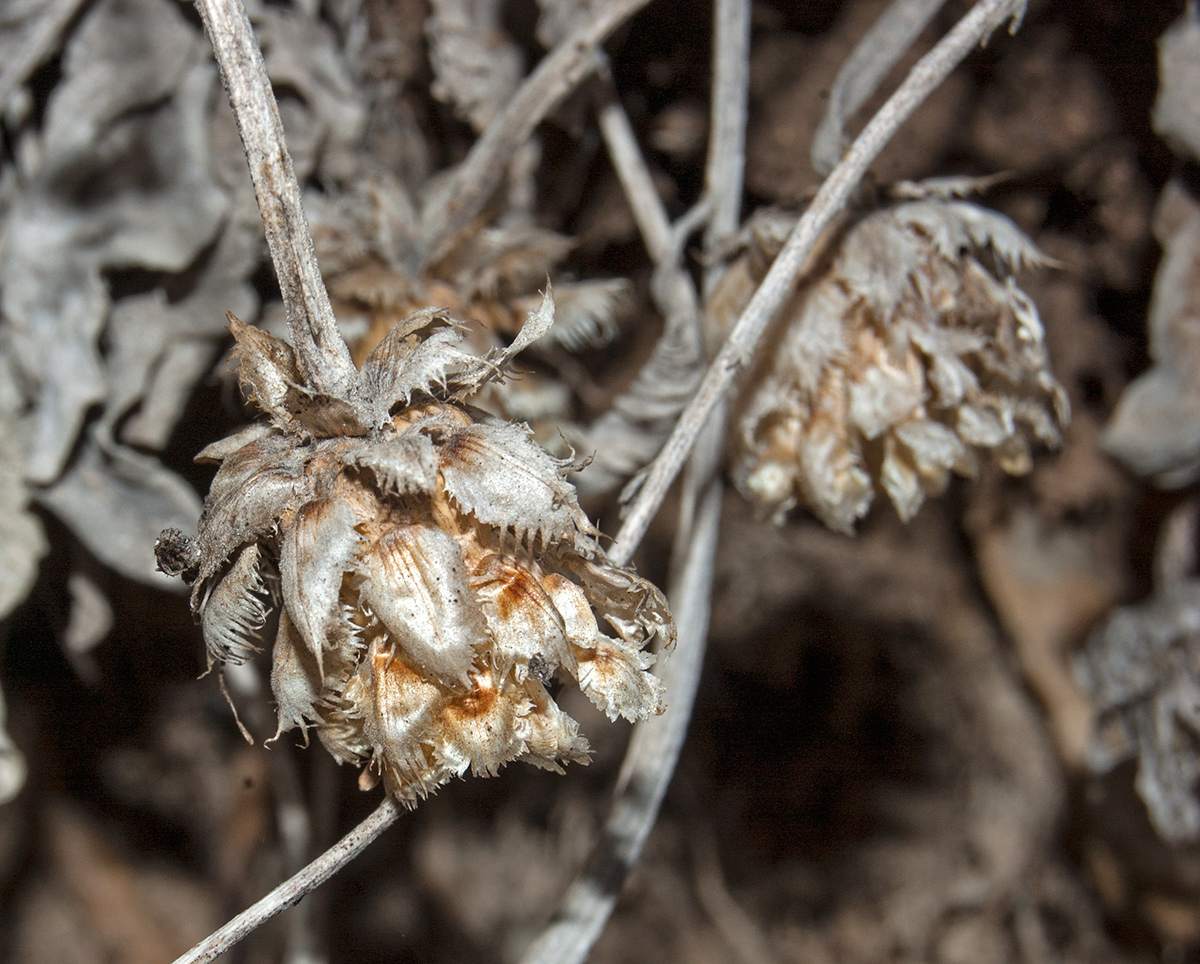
(1174, 115)
(1155, 429)
(117, 502)
(476, 68)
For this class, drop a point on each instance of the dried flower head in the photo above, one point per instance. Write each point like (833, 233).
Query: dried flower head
(433, 566)
(486, 273)
(899, 362)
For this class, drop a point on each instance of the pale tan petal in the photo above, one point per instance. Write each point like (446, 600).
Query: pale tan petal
(483, 729)
(900, 479)
(319, 549)
(295, 680)
(633, 606)
(553, 736)
(579, 622)
(495, 471)
(417, 587)
(402, 706)
(522, 619)
(614, 676)
(233, 613)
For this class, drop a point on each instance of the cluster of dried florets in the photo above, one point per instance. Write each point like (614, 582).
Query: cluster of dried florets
(434, 567)
(898, 363)
(489, 274)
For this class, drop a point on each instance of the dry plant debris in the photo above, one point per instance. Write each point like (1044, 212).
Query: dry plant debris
(892, 756)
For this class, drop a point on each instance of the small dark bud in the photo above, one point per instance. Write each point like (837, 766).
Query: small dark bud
(177, 555)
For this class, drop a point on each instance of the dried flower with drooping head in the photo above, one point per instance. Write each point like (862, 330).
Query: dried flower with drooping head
(899, 362)
(433, 565)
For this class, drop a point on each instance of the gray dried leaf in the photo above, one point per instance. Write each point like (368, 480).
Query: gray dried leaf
(117, 501)
(90, 618)
(1140, 670)
(13, 769)
(124, 55)
(152, 202)
(1175, 117)
(476, 68)
(22, 541)
(1155, 429)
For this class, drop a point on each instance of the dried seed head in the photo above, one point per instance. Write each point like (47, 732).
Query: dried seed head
(898, 363)
(431, 565)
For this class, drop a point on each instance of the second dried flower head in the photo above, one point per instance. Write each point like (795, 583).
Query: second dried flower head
(902, 360)
(432, 563)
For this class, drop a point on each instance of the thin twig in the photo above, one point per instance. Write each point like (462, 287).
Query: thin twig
(483, 169)
(648, 766)
(877, 52)
(626, 436)
(323, 354)
(647, 207)
(726, 160)
(35, 48)
(922, 80)
(294, 888)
